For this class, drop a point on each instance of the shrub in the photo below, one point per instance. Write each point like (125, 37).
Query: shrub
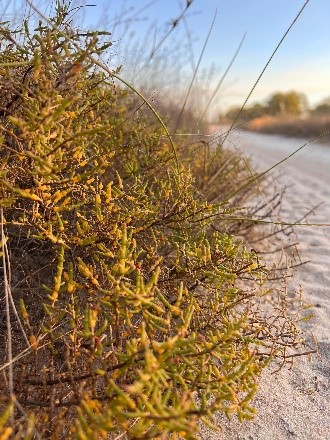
(138, 311)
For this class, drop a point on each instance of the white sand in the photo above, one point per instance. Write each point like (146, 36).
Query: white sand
(295, 404)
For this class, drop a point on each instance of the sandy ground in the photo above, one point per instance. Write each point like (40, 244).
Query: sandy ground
(295, 404)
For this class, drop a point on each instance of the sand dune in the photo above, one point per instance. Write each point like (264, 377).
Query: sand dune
(295, 404)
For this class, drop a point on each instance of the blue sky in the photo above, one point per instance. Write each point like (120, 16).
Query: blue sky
(302, 63)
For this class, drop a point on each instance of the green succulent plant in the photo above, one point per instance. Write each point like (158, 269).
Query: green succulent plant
(141, 313)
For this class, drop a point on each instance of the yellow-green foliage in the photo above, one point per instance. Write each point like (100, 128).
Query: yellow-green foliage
(141, 316)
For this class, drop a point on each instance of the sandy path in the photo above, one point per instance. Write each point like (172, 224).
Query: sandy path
(295, 404)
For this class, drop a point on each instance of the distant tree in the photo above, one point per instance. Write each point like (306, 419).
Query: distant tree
(232, 112)
(293, 103)
(275, 104)
(323, 108)
(255, 111)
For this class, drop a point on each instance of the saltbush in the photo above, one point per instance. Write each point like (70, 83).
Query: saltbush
(132, 308)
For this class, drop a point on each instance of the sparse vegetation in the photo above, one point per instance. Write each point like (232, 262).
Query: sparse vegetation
(309, 127)
(133, 302)
(285, 114)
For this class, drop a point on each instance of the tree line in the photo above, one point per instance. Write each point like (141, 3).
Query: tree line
(279, 104)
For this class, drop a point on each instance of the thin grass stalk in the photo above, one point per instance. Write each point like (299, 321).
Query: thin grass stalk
(215, 175)
(174, 24)
(217, 88)
(266, 66)
(26, 416)
(6, 277)
(195, 72)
